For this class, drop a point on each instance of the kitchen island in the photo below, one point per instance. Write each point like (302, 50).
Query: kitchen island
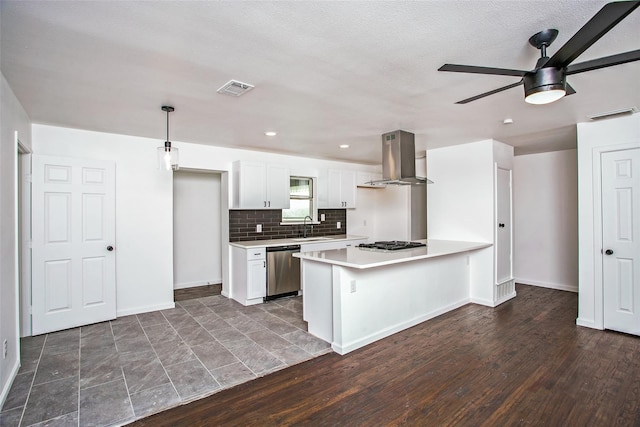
(355, 296)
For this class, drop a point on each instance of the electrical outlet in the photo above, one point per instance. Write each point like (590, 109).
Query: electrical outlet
(5, 349)
(353, 286)
(338, 225)
(258, 228)
(321, 217)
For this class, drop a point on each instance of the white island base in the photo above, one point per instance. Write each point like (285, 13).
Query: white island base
(353, 296)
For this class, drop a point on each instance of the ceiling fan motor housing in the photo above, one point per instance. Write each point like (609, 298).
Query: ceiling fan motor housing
(544, 79)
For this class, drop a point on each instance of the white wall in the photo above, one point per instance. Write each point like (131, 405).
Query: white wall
(593, 139)
(196, 229)
(12, 118)
(144, 201)
(460, 206)
(460, 202)
(545, 193)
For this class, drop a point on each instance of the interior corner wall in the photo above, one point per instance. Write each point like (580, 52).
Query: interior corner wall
(196, 229)
(545, 204)
(460, 206)
(460, 202)
(144, 214)
(12, 118)
(595, 138)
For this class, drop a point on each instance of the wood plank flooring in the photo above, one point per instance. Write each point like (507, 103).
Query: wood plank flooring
(524, 362)
(196, 292)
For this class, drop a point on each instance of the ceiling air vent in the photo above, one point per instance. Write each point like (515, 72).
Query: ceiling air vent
(235, 88)
(609, 114)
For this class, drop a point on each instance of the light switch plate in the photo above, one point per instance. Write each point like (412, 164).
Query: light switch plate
(258, 228)
(338, 225)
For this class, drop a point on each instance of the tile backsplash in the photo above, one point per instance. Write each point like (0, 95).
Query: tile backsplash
(242, 225)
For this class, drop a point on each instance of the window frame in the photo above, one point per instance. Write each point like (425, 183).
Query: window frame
(313, 210)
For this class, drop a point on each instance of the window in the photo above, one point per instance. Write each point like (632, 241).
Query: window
(301, 199)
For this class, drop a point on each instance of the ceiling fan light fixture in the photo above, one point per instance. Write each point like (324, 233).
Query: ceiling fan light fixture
(544, 86)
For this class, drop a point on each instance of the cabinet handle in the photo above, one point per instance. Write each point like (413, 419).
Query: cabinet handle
(264, 264)
(265, 204)
(269, 203)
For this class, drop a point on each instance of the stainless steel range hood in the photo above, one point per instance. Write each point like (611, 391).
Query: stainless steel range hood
(399, 160)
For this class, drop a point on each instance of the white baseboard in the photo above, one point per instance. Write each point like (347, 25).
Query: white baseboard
(587, 324)
(145, 309)
(482, 301)
(7, 385)
(356, 344)
(558, 286)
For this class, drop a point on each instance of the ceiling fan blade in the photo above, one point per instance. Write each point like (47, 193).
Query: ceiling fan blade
(603, 21)
(473, 98)
(481, 70)
(570, 90)
(607, 61)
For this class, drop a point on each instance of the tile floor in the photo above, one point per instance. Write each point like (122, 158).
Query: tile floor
(114, 372)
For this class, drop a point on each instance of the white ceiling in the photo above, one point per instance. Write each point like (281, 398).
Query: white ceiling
(325, 73)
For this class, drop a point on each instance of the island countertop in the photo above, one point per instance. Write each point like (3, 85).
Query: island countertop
(362, 258)
(250, 244)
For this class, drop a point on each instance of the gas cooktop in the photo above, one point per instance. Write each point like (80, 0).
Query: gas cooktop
(391, 245)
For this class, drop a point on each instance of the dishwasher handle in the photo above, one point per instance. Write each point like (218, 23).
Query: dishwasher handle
(290, 248)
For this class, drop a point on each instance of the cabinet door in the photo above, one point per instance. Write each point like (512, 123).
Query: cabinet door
(252, 186)
(334, 199)
(256, 279)
(277, 187)
(348, 189)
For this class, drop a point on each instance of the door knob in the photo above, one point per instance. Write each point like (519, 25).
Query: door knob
(110, 248)
(609, 252)
(501, 225)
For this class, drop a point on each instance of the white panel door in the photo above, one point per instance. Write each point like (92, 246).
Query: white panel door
(73, 240)
(503, 226)
(621, 240)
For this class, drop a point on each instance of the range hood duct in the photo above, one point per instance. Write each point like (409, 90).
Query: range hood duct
(399, 160)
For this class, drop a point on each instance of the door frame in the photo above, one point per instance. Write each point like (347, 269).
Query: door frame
(598, 257)
(23, 236)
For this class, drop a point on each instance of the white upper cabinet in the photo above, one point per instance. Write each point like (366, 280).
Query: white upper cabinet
(260, 186)
(340, 190)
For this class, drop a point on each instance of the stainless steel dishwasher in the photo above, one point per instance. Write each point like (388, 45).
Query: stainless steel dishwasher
(283, 271)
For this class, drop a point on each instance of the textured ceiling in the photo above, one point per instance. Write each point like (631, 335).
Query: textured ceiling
(325, 73)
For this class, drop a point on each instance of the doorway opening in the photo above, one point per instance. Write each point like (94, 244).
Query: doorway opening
(197, 233)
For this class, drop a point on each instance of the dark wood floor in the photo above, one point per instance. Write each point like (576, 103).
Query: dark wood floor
(523, 363)
(196, 292)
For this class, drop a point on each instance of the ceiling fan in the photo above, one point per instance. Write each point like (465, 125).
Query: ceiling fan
(547, 81)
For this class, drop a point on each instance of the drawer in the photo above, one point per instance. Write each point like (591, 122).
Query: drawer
(256, 253)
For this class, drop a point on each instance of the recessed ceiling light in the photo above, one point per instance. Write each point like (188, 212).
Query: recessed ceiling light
(270, 133)
(344, 145)
(507, 121)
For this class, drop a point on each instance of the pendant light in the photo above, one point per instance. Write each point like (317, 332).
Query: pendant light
(167, 155)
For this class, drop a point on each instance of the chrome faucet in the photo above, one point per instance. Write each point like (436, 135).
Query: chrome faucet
(304, 225)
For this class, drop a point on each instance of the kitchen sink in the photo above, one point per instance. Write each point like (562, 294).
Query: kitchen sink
(310, 239)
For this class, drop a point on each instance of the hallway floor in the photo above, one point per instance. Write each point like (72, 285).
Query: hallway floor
(114, 372)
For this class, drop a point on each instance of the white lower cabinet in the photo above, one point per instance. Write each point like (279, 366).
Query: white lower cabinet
(248, 275)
